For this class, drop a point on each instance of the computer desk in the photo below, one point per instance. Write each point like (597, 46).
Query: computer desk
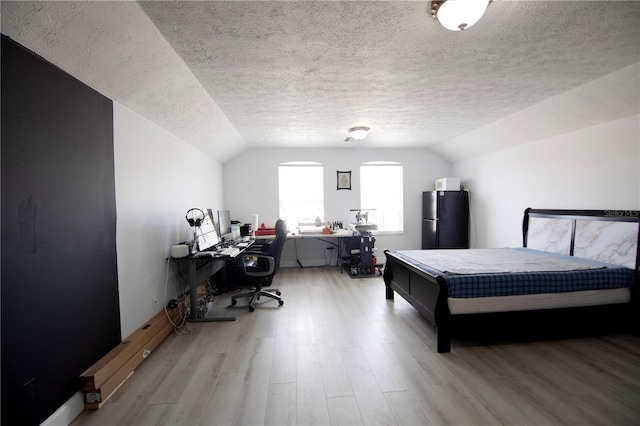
(338, 234)
(199, 269)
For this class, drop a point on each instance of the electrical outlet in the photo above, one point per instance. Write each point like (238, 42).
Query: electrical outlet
(154, 302)
(28, 391)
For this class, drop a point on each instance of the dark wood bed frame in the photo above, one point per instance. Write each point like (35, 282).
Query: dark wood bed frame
(428, 293)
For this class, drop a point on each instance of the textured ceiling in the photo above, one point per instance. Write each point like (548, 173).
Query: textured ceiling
(239, 74)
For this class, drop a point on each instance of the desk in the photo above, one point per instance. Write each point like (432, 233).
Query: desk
(362, 263)
(338, 234)
(198, 270)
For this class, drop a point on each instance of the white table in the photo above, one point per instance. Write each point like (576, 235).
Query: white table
(316, 233)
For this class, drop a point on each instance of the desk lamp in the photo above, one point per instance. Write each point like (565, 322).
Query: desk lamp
(195, 217)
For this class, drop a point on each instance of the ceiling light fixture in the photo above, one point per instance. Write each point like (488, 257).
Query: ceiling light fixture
(358, 133)
(457, 15)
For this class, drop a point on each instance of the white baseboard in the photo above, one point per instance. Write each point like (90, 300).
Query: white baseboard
(67, 412)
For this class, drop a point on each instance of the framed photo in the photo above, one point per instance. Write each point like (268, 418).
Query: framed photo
(344, 180)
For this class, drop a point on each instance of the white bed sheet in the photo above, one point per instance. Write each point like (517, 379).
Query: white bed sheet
(529, 302)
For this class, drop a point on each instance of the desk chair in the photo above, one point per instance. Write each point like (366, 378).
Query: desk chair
(259, 268)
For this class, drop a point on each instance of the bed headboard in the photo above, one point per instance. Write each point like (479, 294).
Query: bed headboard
(611, 236)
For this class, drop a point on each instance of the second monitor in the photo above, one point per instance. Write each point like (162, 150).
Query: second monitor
(224, 225)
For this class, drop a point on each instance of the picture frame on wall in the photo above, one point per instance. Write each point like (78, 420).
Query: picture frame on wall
(344, 180)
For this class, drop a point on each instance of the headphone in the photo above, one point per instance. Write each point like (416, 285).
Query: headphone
(194, 220)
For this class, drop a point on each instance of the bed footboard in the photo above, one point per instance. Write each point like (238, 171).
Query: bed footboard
(427, 293)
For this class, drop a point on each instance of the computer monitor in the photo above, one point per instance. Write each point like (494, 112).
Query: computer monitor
(224, 225)
(207, 234)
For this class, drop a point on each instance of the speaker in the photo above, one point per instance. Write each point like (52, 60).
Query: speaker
(245, 230)
(180, 250)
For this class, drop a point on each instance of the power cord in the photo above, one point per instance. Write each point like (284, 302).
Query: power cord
(183, 316)
(330, 262)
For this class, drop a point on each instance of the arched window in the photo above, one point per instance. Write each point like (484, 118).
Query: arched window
(301, 192)
(381, 189)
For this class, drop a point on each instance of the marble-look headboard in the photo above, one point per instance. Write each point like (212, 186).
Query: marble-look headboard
(611, 236)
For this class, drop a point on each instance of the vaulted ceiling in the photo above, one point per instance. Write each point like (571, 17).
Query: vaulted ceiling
(230, 75)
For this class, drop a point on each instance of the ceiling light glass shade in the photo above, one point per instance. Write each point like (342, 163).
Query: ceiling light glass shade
(359, 133)
(457, 15)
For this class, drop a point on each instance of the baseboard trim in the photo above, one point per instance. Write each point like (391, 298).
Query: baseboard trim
(67, 411)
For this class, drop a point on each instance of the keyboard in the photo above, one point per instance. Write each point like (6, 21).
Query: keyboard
(229, 251)
(203, 254)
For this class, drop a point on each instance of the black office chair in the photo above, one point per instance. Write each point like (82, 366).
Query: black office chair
(258, 269)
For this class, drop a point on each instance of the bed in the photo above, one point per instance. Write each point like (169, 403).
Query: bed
(570, 260)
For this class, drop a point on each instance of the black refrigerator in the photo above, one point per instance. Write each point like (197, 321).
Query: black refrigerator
(445, 219)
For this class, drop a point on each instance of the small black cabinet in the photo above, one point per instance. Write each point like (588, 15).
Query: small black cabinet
(360, 258)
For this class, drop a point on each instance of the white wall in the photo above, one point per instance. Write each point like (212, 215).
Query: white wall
(158, 178)
(593, 168)
(251, 186)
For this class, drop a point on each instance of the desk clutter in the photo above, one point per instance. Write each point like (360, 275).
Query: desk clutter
(318, 227)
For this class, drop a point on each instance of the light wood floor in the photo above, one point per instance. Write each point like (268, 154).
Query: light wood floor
(338, 353)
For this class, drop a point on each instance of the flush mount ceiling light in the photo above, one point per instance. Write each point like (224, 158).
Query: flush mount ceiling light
(457, 15)
(358, 133)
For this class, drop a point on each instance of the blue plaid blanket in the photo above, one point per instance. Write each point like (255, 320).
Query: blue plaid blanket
(576, 275)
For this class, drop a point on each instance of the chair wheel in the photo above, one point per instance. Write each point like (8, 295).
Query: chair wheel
(281, 302)
(251, 309)
(233, 302)
(278, 293)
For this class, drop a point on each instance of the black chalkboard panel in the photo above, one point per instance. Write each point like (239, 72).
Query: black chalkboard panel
(60, 309)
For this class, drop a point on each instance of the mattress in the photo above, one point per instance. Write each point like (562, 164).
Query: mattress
(479, 273)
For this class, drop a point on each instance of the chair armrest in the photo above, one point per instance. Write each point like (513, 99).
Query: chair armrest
(270, 259)
(252, 253)
(256, 247)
